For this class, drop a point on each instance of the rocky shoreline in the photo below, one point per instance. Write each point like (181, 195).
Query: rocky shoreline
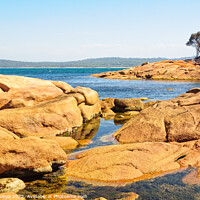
(33, 113)
(165, 135)
(164, 70)
(38, 118)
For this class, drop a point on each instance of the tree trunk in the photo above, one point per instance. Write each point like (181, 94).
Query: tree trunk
(197, 51)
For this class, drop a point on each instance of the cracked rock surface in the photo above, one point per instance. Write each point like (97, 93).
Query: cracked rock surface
(177, 119)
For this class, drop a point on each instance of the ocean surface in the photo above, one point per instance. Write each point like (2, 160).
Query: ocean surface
(169, 186)
(154, 90)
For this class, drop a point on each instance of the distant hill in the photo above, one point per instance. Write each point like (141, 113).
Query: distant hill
(94, 62)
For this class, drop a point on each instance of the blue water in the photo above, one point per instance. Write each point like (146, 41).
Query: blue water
(154, 90)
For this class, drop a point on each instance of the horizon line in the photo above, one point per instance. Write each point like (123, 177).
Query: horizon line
(93, 58)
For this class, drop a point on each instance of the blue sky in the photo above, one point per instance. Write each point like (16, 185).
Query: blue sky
(65, 30)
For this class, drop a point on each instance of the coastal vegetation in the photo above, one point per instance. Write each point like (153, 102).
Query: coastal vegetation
(194, 41)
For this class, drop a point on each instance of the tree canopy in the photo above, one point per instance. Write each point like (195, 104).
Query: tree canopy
(194, 41)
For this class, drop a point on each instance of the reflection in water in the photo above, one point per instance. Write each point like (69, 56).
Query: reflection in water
(169, 186)
(98, 132)
(88, 130)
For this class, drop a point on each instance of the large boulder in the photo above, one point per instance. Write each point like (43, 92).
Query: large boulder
(123, 105)
(36, 107)
(53, 117)
(173, 120)
(28, 96)
(30, 155)
(20, 91)
(44, 107)
(126, 162)
(8, 82)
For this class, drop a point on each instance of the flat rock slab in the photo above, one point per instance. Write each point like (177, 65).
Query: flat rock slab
(126, 162)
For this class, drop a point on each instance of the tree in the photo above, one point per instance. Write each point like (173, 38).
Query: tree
(194, 41)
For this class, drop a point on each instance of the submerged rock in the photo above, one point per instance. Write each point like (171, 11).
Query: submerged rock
(122, 118)
(121, 110)
(177, 119)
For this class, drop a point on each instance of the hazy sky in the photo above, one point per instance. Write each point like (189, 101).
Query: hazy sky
(64, 30)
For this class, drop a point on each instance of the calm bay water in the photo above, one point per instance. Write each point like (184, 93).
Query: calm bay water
(166, 187)
(154, 90)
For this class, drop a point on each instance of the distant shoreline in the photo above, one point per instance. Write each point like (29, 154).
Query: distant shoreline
(64, 67)
(108, 62)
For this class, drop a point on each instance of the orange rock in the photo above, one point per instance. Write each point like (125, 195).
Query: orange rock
(123, 105)
(89, 111)
(125, 162)
(65, 87)
(28, 96)
(132, 196)
(173, 120)
(63, 142)
(30, 155)
(108, 102)
(11, 81)
(164, 70)
(53, 117)
(106, 107)
(79, 97)
(5, 134)
(91, 96)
